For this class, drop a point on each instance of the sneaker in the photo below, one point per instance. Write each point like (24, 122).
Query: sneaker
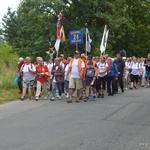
(45, 97)
(69, 101)
(67, 96)
(99, 95)
(86, 99)
(36, 98)
(59, 97)
(94, 98)
(102, 96)
(32, 97)
(52, 99)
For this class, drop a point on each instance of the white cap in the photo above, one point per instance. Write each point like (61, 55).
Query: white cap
(124, 58)
(20, 60)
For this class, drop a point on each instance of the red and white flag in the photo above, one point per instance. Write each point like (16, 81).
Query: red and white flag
(59, 33)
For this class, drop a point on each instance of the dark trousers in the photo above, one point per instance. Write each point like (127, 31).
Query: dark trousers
(110, 85)
(101, 83)
(120, 81)
(20, 83)
(59, 86)
(63, 87)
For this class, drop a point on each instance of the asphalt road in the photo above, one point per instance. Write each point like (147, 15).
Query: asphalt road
(121, 122)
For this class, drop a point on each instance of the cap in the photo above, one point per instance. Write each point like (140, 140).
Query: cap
(83, 56)
(61, 55)
(20, 60)
(76, 52)
(124, 58)
(90, 57)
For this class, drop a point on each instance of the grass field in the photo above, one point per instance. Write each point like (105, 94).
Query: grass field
(8, 71)
(8, 95)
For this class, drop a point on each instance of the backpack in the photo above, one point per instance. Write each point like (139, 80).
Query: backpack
(21, 73)
(90, 72)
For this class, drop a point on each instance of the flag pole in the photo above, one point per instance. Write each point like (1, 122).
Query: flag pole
(76, 47)
(86, 42)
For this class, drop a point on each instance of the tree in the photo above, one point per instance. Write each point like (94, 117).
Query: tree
(34, 23)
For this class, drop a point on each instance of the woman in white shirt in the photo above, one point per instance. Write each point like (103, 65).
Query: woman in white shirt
(102, 75)
(134, 73)
(28, 70)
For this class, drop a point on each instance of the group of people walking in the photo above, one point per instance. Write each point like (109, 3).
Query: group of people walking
(87, 76)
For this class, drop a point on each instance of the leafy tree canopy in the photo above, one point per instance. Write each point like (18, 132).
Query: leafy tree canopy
(30, 27)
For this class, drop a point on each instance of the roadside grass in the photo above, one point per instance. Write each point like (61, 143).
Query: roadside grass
(8, 69)
(8, 95)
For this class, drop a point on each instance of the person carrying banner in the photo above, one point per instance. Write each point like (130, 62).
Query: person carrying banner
(58, 78)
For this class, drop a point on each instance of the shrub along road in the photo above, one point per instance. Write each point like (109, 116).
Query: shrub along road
(121, 122)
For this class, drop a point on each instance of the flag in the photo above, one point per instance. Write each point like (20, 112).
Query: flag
(59, 24)
(57, 45)
(62, 33)
(59, 33)
(104, 40)
(88, 41)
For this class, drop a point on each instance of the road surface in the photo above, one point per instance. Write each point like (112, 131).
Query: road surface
(121, 122)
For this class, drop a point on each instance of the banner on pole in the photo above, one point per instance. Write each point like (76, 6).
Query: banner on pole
(104, 40)
(88, 41)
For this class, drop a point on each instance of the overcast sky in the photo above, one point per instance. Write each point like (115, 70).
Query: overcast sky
(4, 4)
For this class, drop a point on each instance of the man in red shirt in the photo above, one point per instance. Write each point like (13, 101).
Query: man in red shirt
(41, 71)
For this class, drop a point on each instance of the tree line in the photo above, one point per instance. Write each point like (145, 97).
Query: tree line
(33, 24)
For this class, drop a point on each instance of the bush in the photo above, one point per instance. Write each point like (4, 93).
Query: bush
(8, 68)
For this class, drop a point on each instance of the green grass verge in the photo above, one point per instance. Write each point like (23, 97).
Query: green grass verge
(8, 70)
(8, 95)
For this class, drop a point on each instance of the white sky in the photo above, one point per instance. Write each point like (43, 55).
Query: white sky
(4, 4)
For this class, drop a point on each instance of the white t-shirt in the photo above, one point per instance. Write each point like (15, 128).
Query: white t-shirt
(74, 65)
(62, 64)
(141, 65)
(28, 76)
(134, 68)
(54, 80)
(66, 70)
(101, 68)
(127, 66)
(50, 66)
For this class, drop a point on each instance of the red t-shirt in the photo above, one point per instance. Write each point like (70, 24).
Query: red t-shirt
(41, 69)
(65, 61)
(20, 65)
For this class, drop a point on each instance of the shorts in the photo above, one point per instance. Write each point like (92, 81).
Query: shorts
(88, 82)
(75, 83)
(147, 73)
(30, 84)
(134, 78)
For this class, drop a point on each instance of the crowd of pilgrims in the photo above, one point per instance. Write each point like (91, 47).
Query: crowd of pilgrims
(81, 77)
